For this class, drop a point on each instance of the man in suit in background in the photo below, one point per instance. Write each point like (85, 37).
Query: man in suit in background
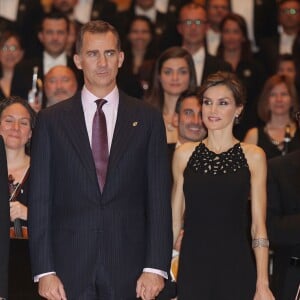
(284, 223)
(53, 35)
(4, 222)
(59, 84)
(100, 231)
(192, 26)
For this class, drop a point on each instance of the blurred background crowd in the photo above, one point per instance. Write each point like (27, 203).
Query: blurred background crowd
(170, 47)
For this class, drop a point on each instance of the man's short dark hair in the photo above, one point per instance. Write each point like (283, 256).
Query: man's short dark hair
(183, 96)
(55, 15)
(95, 27)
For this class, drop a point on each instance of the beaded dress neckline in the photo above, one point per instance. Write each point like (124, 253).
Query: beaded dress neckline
(206, 161)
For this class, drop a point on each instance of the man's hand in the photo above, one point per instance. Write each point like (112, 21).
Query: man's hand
(51, 288)
(149, 285)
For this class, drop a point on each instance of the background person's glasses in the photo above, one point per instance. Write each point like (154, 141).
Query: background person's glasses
(190, 22)
(289, 11)
(11, 48)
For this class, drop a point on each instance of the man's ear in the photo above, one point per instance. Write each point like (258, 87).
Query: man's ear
(175, 120)
(40, 36)
(77, 61)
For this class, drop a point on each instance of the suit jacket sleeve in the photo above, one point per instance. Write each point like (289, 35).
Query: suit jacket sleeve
(283, 223)
(4, 222)
(39, 206)
(159, 228)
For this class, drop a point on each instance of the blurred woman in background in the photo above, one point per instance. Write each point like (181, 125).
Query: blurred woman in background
(235, 48)
(11, 53)
(276, 107)
(174, 73)
(140, 54)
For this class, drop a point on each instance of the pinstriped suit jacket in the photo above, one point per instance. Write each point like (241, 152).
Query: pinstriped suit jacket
(73, 226)
(4, 221)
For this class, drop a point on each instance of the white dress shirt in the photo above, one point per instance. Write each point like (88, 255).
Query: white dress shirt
(286, 42)
(110, 109)
(198, 59)
(50, 61)
(162, 5)
(9, 9)
(83, 11)
(245, 8)
(213, 39)
(150, 13)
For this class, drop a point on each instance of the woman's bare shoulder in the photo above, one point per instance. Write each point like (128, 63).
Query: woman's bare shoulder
(254, 154)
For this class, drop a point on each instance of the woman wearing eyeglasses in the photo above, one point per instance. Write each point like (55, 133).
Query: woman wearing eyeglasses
(11, 53)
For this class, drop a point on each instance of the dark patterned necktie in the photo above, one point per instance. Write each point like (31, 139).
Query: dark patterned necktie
(100, 143)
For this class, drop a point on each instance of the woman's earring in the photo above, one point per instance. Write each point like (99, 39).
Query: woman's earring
(236, 119)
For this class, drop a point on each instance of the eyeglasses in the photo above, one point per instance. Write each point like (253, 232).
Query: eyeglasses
(189, 22)
(11, 48)
(289, 11)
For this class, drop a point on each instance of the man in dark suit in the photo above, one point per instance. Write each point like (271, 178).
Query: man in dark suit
(4, 222)
(256, 12)
(284, 40)
(91, 240)
(192, 26)
(284, 223)
(53, 36)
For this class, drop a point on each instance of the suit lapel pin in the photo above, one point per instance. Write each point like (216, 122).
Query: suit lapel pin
(134, 124)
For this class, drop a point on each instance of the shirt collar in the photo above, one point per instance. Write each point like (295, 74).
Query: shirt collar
(112, 98)
(150, 13)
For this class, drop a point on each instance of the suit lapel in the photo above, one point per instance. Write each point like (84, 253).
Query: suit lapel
(122, 130)
(122, 135)
(76, 129)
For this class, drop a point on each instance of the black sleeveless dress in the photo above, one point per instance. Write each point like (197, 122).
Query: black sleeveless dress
(216, 259)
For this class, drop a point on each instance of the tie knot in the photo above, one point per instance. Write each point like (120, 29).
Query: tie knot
(100, 103)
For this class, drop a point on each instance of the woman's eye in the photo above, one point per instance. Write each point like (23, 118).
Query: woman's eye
(206, 102)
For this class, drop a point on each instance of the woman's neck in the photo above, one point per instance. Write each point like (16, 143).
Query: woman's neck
(233, 57)
(17, 160)
(219, 141)
(169, 104)
(279, 121)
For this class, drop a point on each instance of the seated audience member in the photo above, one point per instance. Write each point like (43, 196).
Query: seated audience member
(192, 26)
(59, 84)
(216, 11)
(53, 35)
(187, 118)
(22, 16)
(276, 107)
(283, 41)
(164, 24)
(87, 10)
(174, 73)
(4, 222)
(287, 66)
(235, 49)
(11, 53)
(256, 12)
(17, 121)
(284, 223)
(140, 54)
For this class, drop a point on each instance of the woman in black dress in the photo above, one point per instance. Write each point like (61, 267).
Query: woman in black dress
(17, 121)
(212, 184)
(276, 107)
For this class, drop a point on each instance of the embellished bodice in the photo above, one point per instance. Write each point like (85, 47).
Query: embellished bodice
(216, 185)
(207, 162)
